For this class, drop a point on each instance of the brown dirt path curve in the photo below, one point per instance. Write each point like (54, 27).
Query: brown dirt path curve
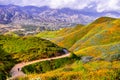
(16, 70)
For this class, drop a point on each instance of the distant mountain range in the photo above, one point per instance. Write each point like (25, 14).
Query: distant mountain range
(13, 13)
(45, 17)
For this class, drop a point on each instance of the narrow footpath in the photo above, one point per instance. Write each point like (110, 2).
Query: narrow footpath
(16, 70)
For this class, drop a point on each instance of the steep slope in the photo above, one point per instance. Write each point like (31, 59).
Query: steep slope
(99, 30)
(105, 42)
(100, 50)
(70, 36)
(79, 35)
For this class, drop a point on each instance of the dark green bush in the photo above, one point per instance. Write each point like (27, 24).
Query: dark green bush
(73, 56)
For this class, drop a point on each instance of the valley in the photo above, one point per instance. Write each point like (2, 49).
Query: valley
(59, 39)
(94, 53)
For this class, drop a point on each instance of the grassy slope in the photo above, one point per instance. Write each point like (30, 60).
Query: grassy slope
(96, 70)
(53, 34)
(29, 48)
(58, 33)
(11, 34)
(69, 38)
(62, 37)
(47, 34)
(100, 50)
(107, 40)
(98, 32)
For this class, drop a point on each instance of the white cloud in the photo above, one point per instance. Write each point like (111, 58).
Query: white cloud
(75, 4)
(108, 5)
(112, 15)
(99, 5)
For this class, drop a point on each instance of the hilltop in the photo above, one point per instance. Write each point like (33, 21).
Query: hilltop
(29, 48)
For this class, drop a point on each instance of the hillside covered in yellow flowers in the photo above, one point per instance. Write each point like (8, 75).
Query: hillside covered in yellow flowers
(95, 53)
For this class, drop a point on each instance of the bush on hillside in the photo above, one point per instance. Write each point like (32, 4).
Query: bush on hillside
(114, 57)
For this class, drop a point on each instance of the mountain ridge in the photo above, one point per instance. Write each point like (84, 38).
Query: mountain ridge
(14, 12)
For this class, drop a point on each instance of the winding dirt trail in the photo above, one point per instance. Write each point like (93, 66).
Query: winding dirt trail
(16, 70)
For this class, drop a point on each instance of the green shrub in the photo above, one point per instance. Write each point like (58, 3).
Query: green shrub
(114, 57)
(74, 56)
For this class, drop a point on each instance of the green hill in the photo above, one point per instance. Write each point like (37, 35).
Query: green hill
(29, 48)
(98, 32)
(65, 37)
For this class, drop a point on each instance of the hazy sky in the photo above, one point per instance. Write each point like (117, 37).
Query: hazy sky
(98, 5)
